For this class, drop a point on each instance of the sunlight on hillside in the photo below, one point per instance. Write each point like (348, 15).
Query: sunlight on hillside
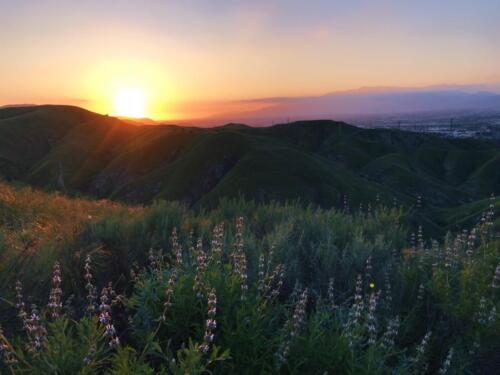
(29, 218)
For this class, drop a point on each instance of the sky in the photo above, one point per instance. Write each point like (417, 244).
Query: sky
(190, 58)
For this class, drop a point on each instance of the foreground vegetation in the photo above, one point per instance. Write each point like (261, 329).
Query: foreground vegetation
(97, 287)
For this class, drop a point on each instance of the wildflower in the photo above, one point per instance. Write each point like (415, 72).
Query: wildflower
(355, 312)
(239, 258)
(471, 238)
(482, 224)
(114, 297)
(293, 327)
(447, 362)
(368, 268)
(346, 204)
(155, 259)
(191, 245)
(481, 315)
(421, 349)
(238, 244)
(455, 251)
(134, 273)
(274, 282)
(217, 238)
(419, 201)
(424, 343)
(210, 323)
(20, 306)
(420, 238)
(55, 303)
(270, 280)
(358, 299)
(390, 334)
(463, 239)
(421, 292)
(493, 314)
(114, 342)
(299, 313)
(19, 295)
(105, 317)
(388, 290)
(437, 253)
(495, 284)
(201, 266)
(176, 247)
(372, 321)
(261, 274)
(152, 259)
(488, 217)
(331, 294)
(448, 257)
(36, 331)
(89, 286)
(169, 292)
(104, 307)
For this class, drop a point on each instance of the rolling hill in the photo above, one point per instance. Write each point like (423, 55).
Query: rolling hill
(71, 149)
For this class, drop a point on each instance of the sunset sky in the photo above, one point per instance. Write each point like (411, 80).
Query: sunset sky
(186, 58)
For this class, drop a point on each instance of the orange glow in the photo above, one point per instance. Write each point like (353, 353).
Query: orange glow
(189, 63)
(129, 88)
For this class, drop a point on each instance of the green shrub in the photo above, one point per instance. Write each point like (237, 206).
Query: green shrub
(285, 289)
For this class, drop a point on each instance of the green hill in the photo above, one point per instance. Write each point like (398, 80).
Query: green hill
(318, 162)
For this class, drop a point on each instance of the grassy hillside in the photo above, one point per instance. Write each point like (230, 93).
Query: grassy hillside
(318, 162)
(111, 288)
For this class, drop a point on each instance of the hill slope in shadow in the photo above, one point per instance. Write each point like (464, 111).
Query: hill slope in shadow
(318, 162)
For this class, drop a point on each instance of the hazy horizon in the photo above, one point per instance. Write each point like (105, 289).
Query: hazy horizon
(183, 60)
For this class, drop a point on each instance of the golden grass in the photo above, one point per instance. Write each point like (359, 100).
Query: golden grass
(29, 217)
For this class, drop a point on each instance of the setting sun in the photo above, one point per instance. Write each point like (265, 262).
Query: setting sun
(130, 102)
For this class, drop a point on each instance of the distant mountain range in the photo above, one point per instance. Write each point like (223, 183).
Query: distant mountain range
(318, 162)
(360, 102)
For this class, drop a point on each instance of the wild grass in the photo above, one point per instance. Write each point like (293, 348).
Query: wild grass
(244, 288)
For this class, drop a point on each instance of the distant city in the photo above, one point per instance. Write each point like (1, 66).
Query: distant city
(467, 124)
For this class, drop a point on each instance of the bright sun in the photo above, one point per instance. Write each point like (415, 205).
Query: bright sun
(130, 102)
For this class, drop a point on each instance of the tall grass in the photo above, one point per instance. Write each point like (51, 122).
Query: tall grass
(244, 288)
